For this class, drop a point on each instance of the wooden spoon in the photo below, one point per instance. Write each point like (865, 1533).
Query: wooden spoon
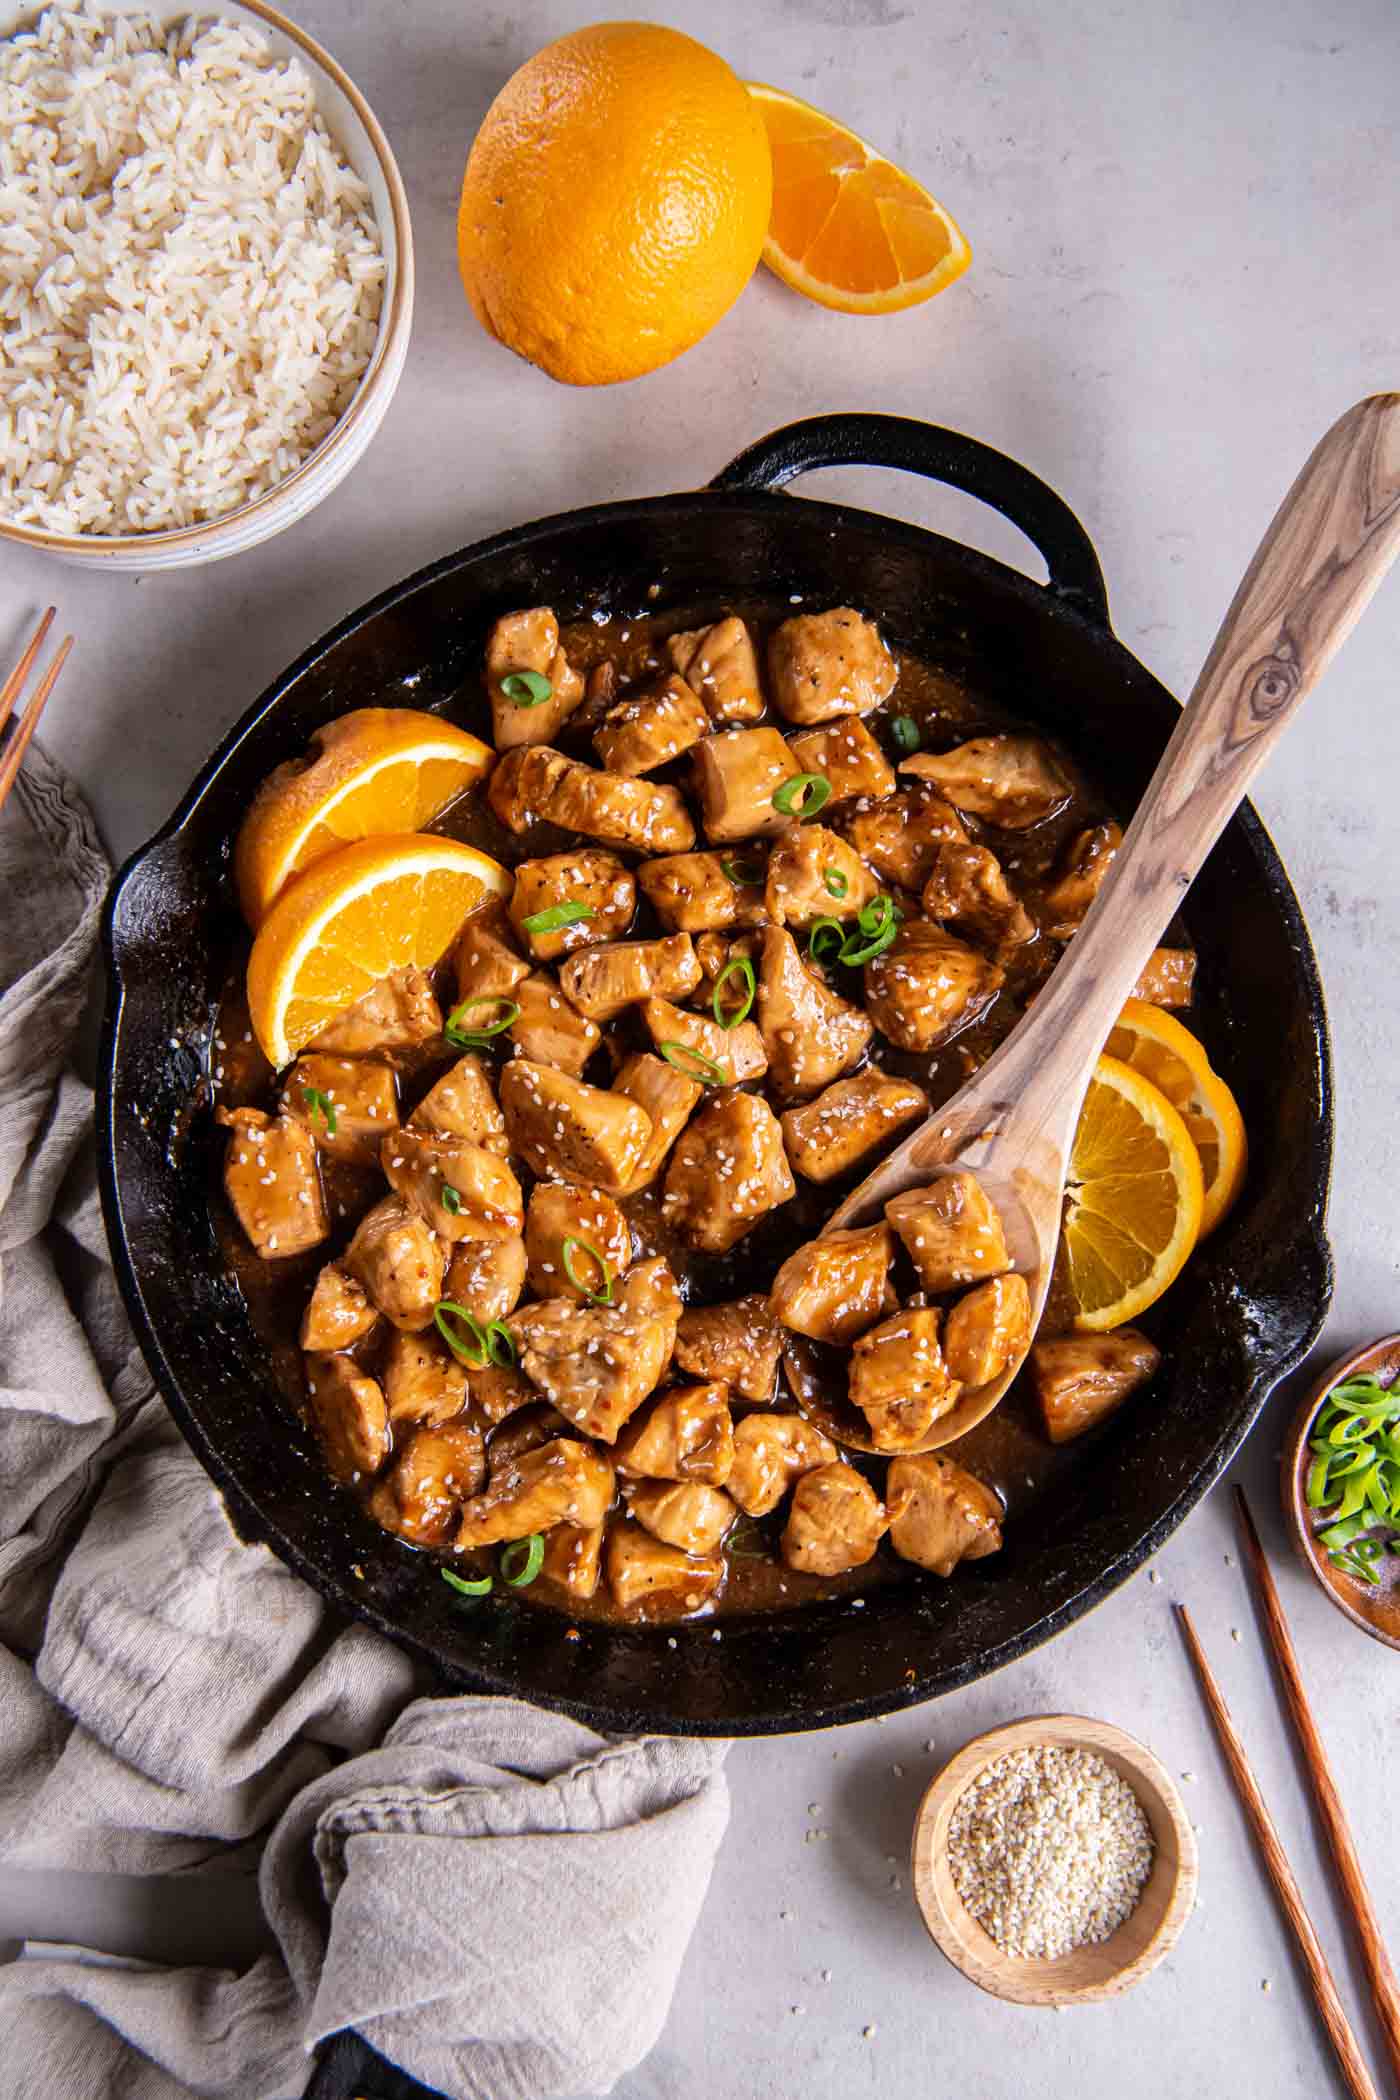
(1335, 535)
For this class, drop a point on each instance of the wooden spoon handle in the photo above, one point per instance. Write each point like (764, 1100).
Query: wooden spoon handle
(1336, 533)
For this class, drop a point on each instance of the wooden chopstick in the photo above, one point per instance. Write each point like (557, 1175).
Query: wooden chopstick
(11, 689)
(12, 754)
(1286, 1888)
(1365, 1925)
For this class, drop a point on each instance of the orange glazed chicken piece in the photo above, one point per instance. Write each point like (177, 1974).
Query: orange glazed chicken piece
(940, 1513)
(826, 664)
(523, 658)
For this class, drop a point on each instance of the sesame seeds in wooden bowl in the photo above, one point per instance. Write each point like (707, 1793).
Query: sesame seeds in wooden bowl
(1070, 1841)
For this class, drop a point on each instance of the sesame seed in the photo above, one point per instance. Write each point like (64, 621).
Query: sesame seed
(1050, 1850)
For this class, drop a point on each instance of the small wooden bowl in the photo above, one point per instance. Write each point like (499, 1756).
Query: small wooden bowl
(1090, 1973)
(1378, 1614)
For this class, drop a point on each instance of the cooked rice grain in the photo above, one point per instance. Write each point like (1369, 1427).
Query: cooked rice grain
(190, 272)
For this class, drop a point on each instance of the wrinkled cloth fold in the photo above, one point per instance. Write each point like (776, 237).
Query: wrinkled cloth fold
(173, 1701)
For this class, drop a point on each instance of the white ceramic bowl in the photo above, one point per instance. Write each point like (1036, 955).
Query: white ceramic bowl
(353, 125)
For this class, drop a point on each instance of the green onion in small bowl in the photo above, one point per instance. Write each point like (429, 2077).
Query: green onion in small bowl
(1341, 1486)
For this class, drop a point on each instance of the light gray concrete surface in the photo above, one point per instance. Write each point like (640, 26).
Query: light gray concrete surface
(1187, 258)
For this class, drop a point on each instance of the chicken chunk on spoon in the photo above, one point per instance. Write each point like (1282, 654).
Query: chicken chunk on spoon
(899, 1378)
(837, 1286)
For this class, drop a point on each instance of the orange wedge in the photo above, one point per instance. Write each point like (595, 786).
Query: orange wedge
(379, 905)
(1134, 1200)
(850, 229)
(377, 771)
(1156, 1045)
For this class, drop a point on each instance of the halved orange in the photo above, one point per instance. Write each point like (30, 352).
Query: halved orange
(1155, 1044)
(1134, 1200)
(850, 229)
(380, 905)
(375, 772)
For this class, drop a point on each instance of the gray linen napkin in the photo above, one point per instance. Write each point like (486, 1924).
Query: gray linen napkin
(173, 1701)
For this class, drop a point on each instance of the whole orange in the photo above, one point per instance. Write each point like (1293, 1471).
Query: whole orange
(615, 202)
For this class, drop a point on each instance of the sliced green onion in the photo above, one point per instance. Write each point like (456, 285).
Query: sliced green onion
(826, 940)
(571, 912)
(836, 883)
(526, 688)
(803, 795)
(501, 1342)
(319, 1104)
(451, 1200)
(522, 1560)
(471, 1035)
(738, 966)
(693, 1064)
(742, 873)
(1364, 1396)
(471, 1349)
(905, 731)
(566, 1255)
(480, 1588)
(1316, 1490)
(878, 921)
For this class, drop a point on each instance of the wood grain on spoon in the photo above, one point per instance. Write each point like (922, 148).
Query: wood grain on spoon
(1334, 537)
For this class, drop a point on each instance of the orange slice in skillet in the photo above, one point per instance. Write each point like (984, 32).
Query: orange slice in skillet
(1134, 1200)
(379, 905)
(376, 771)
(1156, 1045)
(848, 228)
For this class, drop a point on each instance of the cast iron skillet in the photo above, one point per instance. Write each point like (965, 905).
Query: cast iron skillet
(1249, 1307)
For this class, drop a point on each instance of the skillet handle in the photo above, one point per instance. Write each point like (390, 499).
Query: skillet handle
(857, 440)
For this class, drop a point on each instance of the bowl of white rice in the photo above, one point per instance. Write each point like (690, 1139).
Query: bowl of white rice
(206, 280)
